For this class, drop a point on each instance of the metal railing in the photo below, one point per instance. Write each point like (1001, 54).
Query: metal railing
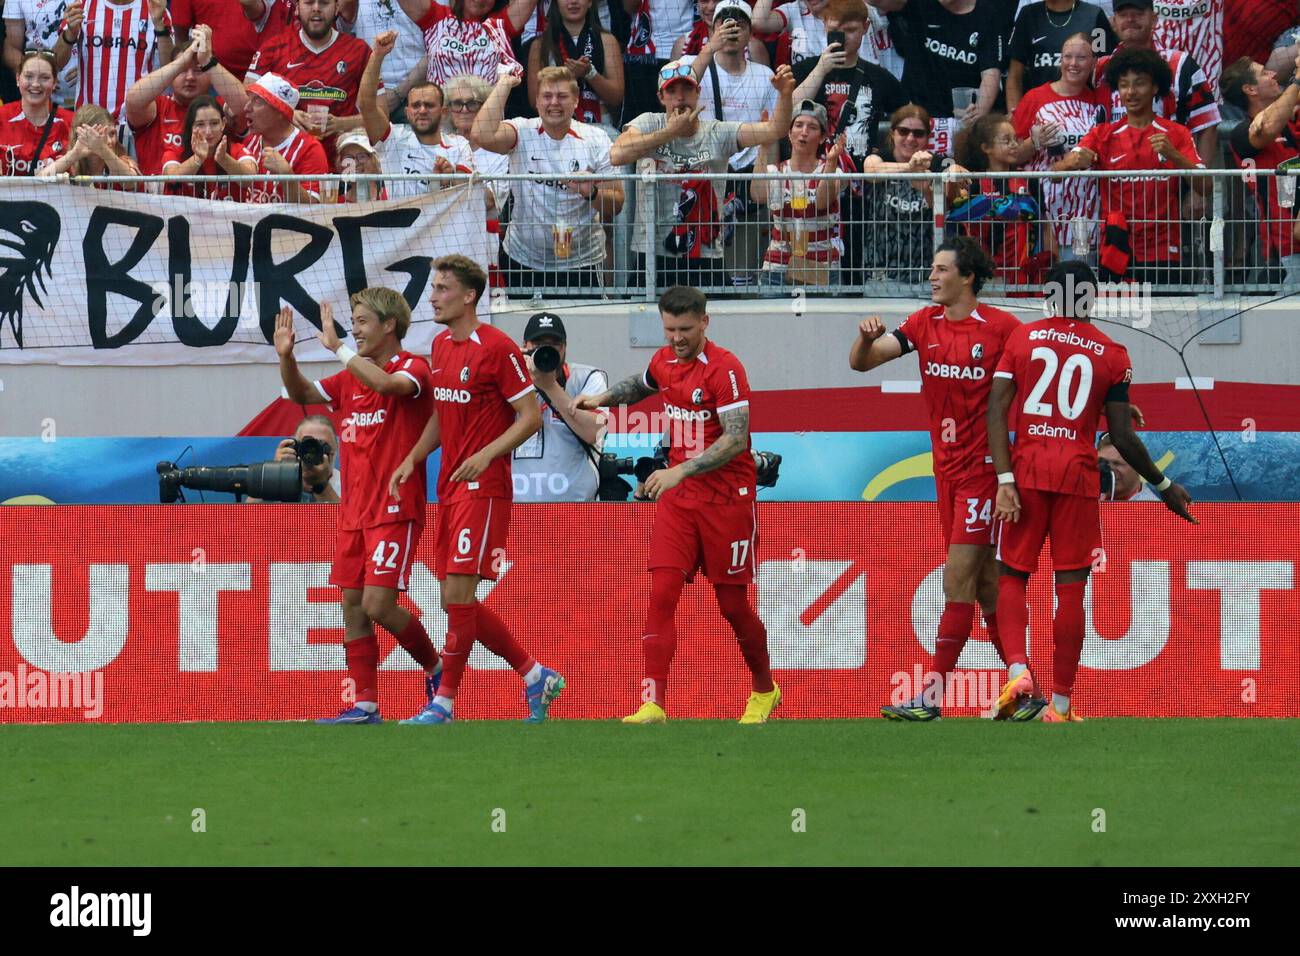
(766, 234)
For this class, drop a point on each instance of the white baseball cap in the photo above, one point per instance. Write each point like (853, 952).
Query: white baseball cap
(276, 92)
(738, 6)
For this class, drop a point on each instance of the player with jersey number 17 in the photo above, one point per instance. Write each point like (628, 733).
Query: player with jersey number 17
(706, 516)
(484, 408)
(1062, 372)
(384, 396)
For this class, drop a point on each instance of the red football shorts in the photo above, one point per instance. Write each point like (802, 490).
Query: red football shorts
(472, 537)
(1072, 521)
(966, 508)
(379, 556)
(720, 539)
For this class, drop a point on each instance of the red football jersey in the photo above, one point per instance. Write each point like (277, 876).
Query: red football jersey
(234, 37)
(218, 188)
(19, 139)
(957, 361)
(1064, 372)
(377, 432)
(305, 155)
(1151, 205)
(695, 393)
(165, 133)
(474, 382)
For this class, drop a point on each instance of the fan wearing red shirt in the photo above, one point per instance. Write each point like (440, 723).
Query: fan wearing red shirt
(957, 342)
(484, 409)
(208, 153)
(235, 38)
(1068, 373)
(384, 395)
(277, 146)
(324, 65)
(157, 118)
(706, 517)
(33, 122)
(1141, 215)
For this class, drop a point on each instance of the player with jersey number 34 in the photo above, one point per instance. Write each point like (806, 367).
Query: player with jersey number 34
(1067, 371)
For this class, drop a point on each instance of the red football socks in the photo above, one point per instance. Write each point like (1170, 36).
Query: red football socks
(462, 631)
(991, 625)
(1013, 617)
(751, 635)
(362, 656)
(496, 637)
(659, 639)
(416, 642)
(1067, 636)
(954, 631)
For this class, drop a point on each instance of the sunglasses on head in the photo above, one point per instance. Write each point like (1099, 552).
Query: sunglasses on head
(679, 72)
(43, 54)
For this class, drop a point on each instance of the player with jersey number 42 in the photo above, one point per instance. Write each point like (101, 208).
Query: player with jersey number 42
(1063, 372)
(384, 395)
(705, 516)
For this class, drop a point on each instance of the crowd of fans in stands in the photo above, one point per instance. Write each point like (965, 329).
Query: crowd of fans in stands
(214, 88)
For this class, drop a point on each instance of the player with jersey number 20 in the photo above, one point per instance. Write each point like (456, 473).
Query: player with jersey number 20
(1068, 372)
(483, 410)
(384, 396)
(705, 516)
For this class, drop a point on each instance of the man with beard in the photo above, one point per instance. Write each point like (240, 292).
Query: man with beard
(325, 66)
(157, 118)
(419, 148)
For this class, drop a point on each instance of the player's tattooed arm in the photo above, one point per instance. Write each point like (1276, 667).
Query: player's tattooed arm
(734, 440)
(627, 392)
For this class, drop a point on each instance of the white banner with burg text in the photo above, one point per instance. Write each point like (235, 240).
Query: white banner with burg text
(105, 277)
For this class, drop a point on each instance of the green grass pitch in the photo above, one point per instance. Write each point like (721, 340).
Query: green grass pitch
(1174, 792)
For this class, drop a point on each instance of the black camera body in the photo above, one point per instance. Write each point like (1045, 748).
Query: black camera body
(312, 452)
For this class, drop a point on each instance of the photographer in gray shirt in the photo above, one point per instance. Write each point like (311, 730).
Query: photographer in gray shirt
(557, 464)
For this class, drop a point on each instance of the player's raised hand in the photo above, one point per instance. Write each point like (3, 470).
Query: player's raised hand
(404, 471)
(327, 336)
(471, 467)
(1008, 503)
(871, 328)
(284, 332)
(1177, 499)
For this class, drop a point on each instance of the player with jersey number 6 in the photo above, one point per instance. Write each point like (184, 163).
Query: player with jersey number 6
(706, 516)
(384, 395)
(1068, 372)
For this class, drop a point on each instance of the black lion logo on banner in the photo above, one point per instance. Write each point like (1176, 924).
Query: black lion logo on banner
(31, 230)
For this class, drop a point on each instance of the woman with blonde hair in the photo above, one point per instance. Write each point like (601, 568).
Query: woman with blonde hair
(95, 150)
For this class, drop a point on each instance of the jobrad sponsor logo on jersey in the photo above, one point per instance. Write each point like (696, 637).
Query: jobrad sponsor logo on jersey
(686, 414)
(1066, 338)
(458, 396)
(939, 48)
(1170, 11)
(117, 42)
(367, 419)
(943, 370)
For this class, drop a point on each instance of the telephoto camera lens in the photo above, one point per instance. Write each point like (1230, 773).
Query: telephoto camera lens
(546, 358)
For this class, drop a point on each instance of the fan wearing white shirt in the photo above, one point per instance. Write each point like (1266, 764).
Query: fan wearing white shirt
(421, 147)
(555, 237)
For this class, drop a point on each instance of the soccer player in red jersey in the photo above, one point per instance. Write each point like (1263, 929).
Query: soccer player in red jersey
(157, 118)
(323, 64)
(483, 410)
(384, 394)
(1068, 371)
(957, 341)
(706, 516)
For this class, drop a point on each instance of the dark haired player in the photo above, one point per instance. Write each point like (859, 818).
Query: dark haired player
(706, 516)
(483, 410)
(384, 394)
(957, 341)
(1048, 486)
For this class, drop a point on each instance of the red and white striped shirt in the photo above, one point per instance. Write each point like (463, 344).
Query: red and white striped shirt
(1197, 27)
(819, 230)
(455, 46)
(304, 154)
(1064, 200)
(118, 45)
